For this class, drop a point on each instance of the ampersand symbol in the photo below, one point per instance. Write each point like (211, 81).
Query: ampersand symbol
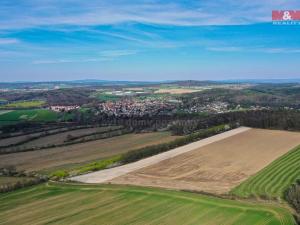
(286, 15)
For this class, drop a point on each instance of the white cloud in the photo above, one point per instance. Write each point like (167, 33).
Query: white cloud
(107, 55)
(7, 41)
(117, 53)
(33, 13)
(254, 49)
(60, 61)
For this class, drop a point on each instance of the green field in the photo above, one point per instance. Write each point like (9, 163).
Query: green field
(24, 104)
(105, 204)
(274, 179)
(37, 115)
(107, 97)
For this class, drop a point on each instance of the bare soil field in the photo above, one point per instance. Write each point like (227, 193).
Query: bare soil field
(176, 90)
(109, 174)
(83, 152)
(219, 166)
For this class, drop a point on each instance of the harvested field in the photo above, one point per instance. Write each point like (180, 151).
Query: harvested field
(117, 205)
(107, 175)
(217, 167)
(273, 180)
(83, 152)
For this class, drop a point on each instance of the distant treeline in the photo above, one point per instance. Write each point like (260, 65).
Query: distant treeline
(136, 155)
(266, 119)
(183, 123)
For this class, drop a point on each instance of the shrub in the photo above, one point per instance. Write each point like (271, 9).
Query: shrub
(292, 195)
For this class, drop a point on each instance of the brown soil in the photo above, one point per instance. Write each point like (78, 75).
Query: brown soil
(217, 167)
(84, 152)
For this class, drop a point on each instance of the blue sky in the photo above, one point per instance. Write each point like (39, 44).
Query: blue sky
(146, 40)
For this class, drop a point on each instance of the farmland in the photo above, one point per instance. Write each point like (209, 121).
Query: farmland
(76, 154)
(107, 204)
(176, 90)
(219, 166)
(274, 179)
(36, 115)
(24, 104)
(64, 137)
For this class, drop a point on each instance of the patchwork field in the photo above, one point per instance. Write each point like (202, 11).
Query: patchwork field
(83, 152)
(116, 205)
(274, 179)
(61, 138)
(49, 131)
(219, 166)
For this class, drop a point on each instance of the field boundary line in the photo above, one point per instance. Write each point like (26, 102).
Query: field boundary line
(109, 174)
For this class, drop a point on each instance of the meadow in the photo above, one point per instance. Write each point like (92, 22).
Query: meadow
(24, 104)
(54, 203)
(273, 180)
(35, 115)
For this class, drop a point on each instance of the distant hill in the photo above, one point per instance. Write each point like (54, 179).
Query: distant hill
(262, 81)
(106, 83)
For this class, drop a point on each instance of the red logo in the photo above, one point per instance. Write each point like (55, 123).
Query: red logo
(285, 15)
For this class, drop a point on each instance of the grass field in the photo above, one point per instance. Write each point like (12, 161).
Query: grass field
(4, 111)
(39, 115)
(274, 179)
(118, 205)
(78, 154)
(24, 104)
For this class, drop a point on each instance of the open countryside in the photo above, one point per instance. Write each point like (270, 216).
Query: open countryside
(217, 167)
(82, 204)
(81, 152)
(149, 112)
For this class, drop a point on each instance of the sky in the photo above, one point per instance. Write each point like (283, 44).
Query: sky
(146, 40)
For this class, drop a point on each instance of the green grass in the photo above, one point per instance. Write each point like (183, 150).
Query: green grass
(36, 115)
(24, 104)
(89, 167)
(118, 205)
(107, 97)
(274, 179)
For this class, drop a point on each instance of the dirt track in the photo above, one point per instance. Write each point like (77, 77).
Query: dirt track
(107, 175)
(217, 167)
